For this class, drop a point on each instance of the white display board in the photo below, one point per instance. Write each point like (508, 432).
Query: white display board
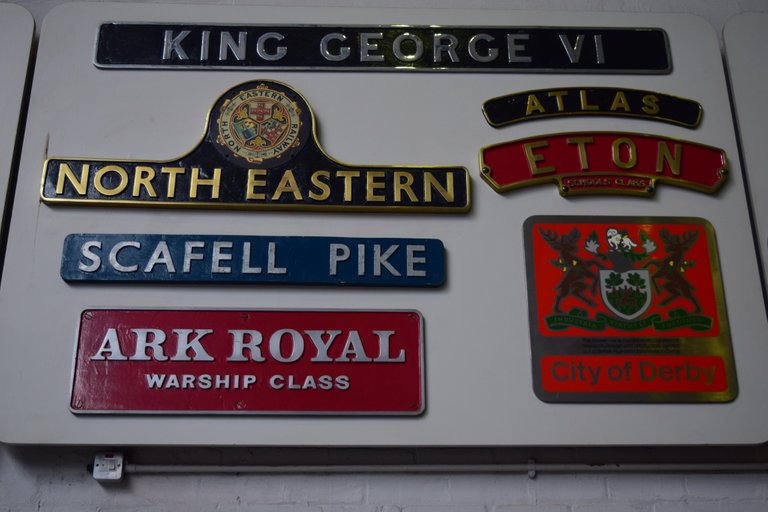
(16, 30)
(479, 387)
(745, 36)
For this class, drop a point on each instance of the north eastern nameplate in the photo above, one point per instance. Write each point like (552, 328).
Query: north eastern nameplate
(249, 362)
(383, 48)
(260, 151)
(627, 309)
(253, 259)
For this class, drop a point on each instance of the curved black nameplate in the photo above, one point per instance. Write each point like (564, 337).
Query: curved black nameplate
(591, 101)
(260, 151)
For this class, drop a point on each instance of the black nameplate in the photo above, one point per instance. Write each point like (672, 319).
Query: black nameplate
(259, 152)
(591, 101)
(390, 48)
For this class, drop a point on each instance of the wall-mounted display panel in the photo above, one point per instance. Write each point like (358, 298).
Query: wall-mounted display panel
(745, 37)
(16, 30)
(184, 133)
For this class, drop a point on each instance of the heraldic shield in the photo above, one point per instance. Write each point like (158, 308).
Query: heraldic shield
(624, 288)
(626, 294)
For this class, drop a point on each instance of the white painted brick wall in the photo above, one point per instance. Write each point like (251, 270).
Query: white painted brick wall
(56, 480)
(651, 488)
(571, 489)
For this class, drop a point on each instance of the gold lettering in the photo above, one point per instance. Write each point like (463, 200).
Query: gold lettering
(585, 101)
(143, 176)
(348, 175)
(325, 190)
(665, 155)
(253, 183)
(651, 102)
(172, 172)
(631, 153)
(211, 182)
(403, 182)
(620, 102)
(287, 184)
(99, 176)
(372, 186)
(534, 105)
(81, 185)
(558, 95)
(431, 182)
(581, 143)
(534, 159)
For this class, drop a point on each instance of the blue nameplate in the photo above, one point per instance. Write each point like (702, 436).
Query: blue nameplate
(253, 259)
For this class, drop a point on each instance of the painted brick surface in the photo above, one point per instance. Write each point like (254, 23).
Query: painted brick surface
(652, 488)
(409, 490)
(445, 508)
(360, 508)
(613, 506)
(710, 486)
(533, 508)
(490, 489)
(567, 488)
(336, 489)
(722, 505)
(56, 480)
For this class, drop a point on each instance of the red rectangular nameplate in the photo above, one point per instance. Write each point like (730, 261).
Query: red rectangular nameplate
(257, 362)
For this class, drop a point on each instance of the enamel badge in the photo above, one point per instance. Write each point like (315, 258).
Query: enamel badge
(260, 151)
(603, 163)
(627, 309)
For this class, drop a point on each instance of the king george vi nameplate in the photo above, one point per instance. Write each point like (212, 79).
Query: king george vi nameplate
(384, 48)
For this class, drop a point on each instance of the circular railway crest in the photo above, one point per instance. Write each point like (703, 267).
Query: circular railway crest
(260, 124)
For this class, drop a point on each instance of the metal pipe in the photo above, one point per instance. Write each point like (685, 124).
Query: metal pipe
(531, 468)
